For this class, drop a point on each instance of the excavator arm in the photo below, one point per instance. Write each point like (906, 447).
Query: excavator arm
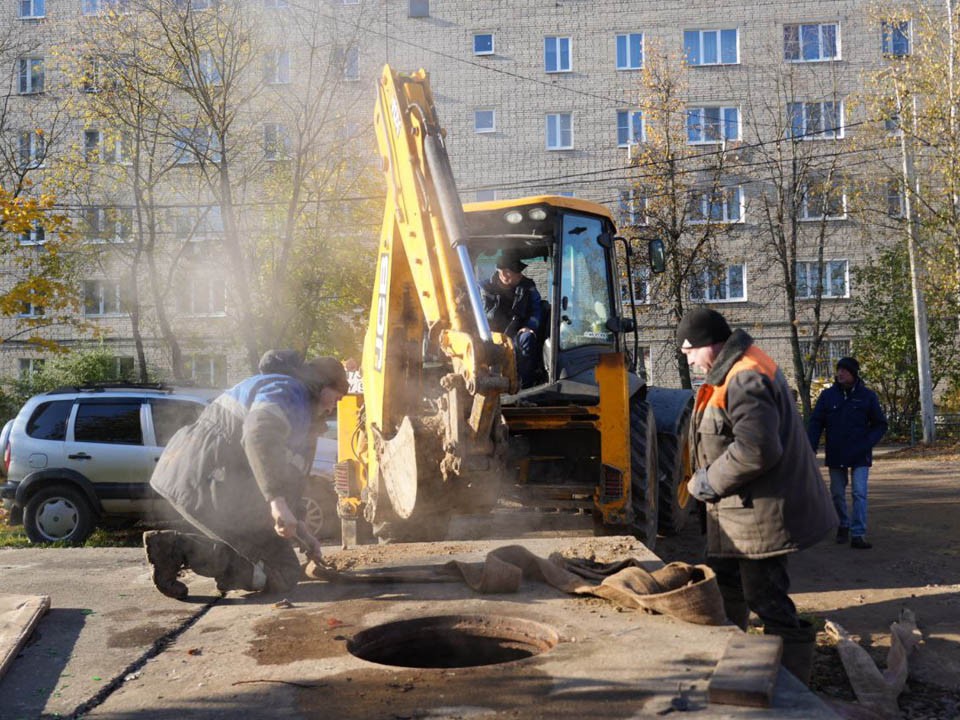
(422, 440)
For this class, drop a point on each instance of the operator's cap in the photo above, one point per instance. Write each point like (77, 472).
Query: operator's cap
(510, 260)
(321, 372)
(702, 327)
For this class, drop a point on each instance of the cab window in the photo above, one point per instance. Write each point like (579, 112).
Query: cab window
(585, 297)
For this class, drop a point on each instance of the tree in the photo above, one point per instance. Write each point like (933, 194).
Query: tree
(680, 192)
(884, 339)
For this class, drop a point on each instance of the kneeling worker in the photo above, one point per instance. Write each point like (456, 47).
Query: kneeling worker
(238, 473)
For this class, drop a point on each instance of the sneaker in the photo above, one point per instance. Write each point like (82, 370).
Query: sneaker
(859, 542)
(164, 565)
(843, 535)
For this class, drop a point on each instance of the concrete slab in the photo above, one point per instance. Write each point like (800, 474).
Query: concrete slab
(18, 616)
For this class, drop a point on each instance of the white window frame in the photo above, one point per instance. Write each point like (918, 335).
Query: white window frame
(708, 281)
(276, 142)
(830, 352)
(641, 286)
(34, 236)
(555, 125)
(28, 367)
(34, 9)
(562, 44)
(207, 376)
(276, 70)
(493, 45)
(821, 43)
(703, 204)
(478, 115)
(807, 273)
(95, 7)
(33, 150)
(104, 288)
(209, 72)
(107, 229)
(896, 202)
(350, 58)
(889, 31)
(627, 48)
(633, 208)
(810, 111)
(808, 210)
(196, 145)
(722, 125)
(203, 296)
(627, 121)
(30, 76)
(278, 4)
(701, 36)
(345, 2)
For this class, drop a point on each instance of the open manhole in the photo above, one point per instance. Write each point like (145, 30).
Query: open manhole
(453, 641)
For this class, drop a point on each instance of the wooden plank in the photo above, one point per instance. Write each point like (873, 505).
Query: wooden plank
(19, 614)
(747, 671)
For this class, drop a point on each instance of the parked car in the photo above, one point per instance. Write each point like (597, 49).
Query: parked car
(320, 496)
(79, 456)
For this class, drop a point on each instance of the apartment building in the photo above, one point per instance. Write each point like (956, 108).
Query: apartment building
(536, 97)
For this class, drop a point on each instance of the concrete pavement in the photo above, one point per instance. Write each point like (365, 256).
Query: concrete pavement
(112, 647)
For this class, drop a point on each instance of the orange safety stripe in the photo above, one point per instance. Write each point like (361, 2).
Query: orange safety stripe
(753, 359)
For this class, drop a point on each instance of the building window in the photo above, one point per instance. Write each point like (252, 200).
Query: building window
(102, 297)
(94, 7)
(822, 200)
(712, 124)
(825, 364)
(35, 236)
(419, 9)
(483, 44)
(348, 61)
(711, 47)
(202, 295)
(196, 145)
(209, 72)
(350, 2)
(811, 43)
(31, 75)
(29, 367)
(723, 206)
(641, 286)
(208, 370)
(630, 51)
(816, 120)
(719, 284)
(29, 9)
(484, 121)
(276, 142)
(833, 280)
(556, 54)
(629, 127)
(276, 70)
(32, 149)
(559, 131)
(102, 224)
(279, 4)
(896, 203)
(30, 309)
(198, 225)
(891, 125)
(633, 208)
(895, 38)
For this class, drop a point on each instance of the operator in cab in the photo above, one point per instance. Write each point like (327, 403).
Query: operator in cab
(237, 476)
(513, 307)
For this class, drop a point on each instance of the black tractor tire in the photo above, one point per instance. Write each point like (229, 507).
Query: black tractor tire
(58, 513)
(643, 464)
(676, 505)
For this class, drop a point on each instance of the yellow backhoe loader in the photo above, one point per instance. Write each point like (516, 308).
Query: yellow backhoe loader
(442, 426)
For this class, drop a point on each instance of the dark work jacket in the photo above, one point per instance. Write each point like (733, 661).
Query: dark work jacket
(254, 443)
(509, 309)
(854, 422)
(747, 434)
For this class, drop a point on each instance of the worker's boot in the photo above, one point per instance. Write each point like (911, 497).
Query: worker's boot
(799, 646)
(166, 560)
(217, 560)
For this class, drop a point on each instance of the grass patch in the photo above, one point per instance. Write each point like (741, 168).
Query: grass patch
(14, 536)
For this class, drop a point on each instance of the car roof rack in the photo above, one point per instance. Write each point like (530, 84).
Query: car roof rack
(107, 386)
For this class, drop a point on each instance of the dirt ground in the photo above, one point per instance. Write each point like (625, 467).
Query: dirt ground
(914, 525)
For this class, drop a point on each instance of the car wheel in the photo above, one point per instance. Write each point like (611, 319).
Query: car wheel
(320, 509)
(59, 513)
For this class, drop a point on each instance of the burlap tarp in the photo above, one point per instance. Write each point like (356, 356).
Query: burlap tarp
(687, 592)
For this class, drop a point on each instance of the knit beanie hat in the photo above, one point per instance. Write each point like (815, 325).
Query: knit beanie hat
(849, 364)
(510, 260)
(320, 372)
(280, 362)
(702, 327)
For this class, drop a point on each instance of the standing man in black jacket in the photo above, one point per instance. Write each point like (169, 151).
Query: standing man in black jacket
(851, 414)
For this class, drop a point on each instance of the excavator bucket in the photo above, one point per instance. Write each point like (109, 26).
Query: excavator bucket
(398, 468)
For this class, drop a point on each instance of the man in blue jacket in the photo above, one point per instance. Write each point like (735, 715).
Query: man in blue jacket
(854, 422)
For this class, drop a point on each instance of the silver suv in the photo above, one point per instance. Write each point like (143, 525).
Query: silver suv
(79, 456)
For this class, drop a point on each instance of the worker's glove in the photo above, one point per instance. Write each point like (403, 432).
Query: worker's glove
(699, 487)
